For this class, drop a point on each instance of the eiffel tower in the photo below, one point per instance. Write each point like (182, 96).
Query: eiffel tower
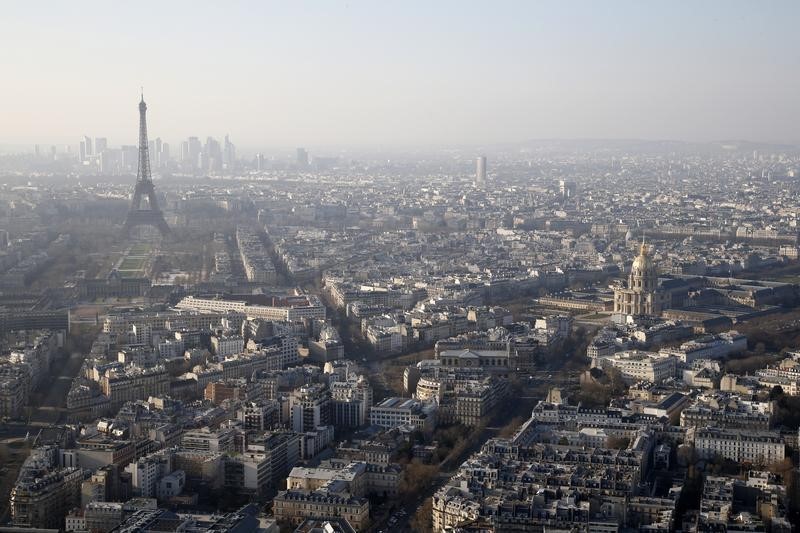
(148, 214)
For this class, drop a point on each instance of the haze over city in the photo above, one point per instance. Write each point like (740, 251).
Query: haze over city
(408, 73)
(400, 267)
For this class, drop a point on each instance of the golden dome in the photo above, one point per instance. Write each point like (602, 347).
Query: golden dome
(642, 262)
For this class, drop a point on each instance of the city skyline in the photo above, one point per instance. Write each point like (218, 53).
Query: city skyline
(407, 267)
(443, 75)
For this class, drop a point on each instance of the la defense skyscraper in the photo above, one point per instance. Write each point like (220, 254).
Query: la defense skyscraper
(144, 214)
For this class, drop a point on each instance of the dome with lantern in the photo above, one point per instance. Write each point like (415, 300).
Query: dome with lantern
(643, 262)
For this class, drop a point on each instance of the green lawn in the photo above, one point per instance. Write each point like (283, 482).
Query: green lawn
(133, 263)
(139, 249)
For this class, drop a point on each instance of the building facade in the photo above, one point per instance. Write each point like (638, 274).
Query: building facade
(642, 295)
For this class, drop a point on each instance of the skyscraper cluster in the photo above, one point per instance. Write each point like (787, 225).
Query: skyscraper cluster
(194, 156)
(96, 155)
(212, 156)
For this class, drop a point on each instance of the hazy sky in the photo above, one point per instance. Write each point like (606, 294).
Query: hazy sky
(400, 72)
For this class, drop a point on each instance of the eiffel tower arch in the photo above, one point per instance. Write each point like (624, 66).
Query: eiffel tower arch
(144, 209)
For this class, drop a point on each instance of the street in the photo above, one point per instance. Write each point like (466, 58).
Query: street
(48, 402)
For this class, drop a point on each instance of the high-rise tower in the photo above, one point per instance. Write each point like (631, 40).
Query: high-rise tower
(302, 158)
(141, 214)
(480, 170)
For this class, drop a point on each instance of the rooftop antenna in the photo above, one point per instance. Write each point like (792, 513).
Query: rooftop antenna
(141, 92)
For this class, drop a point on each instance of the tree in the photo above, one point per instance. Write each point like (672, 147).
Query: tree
(781, 468)
(619, 443)
(422, 520)
(787, 412)
(686, 456)
(509, 429)
(618, 385)
(416, 478)
(776, 392)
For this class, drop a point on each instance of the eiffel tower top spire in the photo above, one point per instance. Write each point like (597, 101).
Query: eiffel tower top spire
(143, 173)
